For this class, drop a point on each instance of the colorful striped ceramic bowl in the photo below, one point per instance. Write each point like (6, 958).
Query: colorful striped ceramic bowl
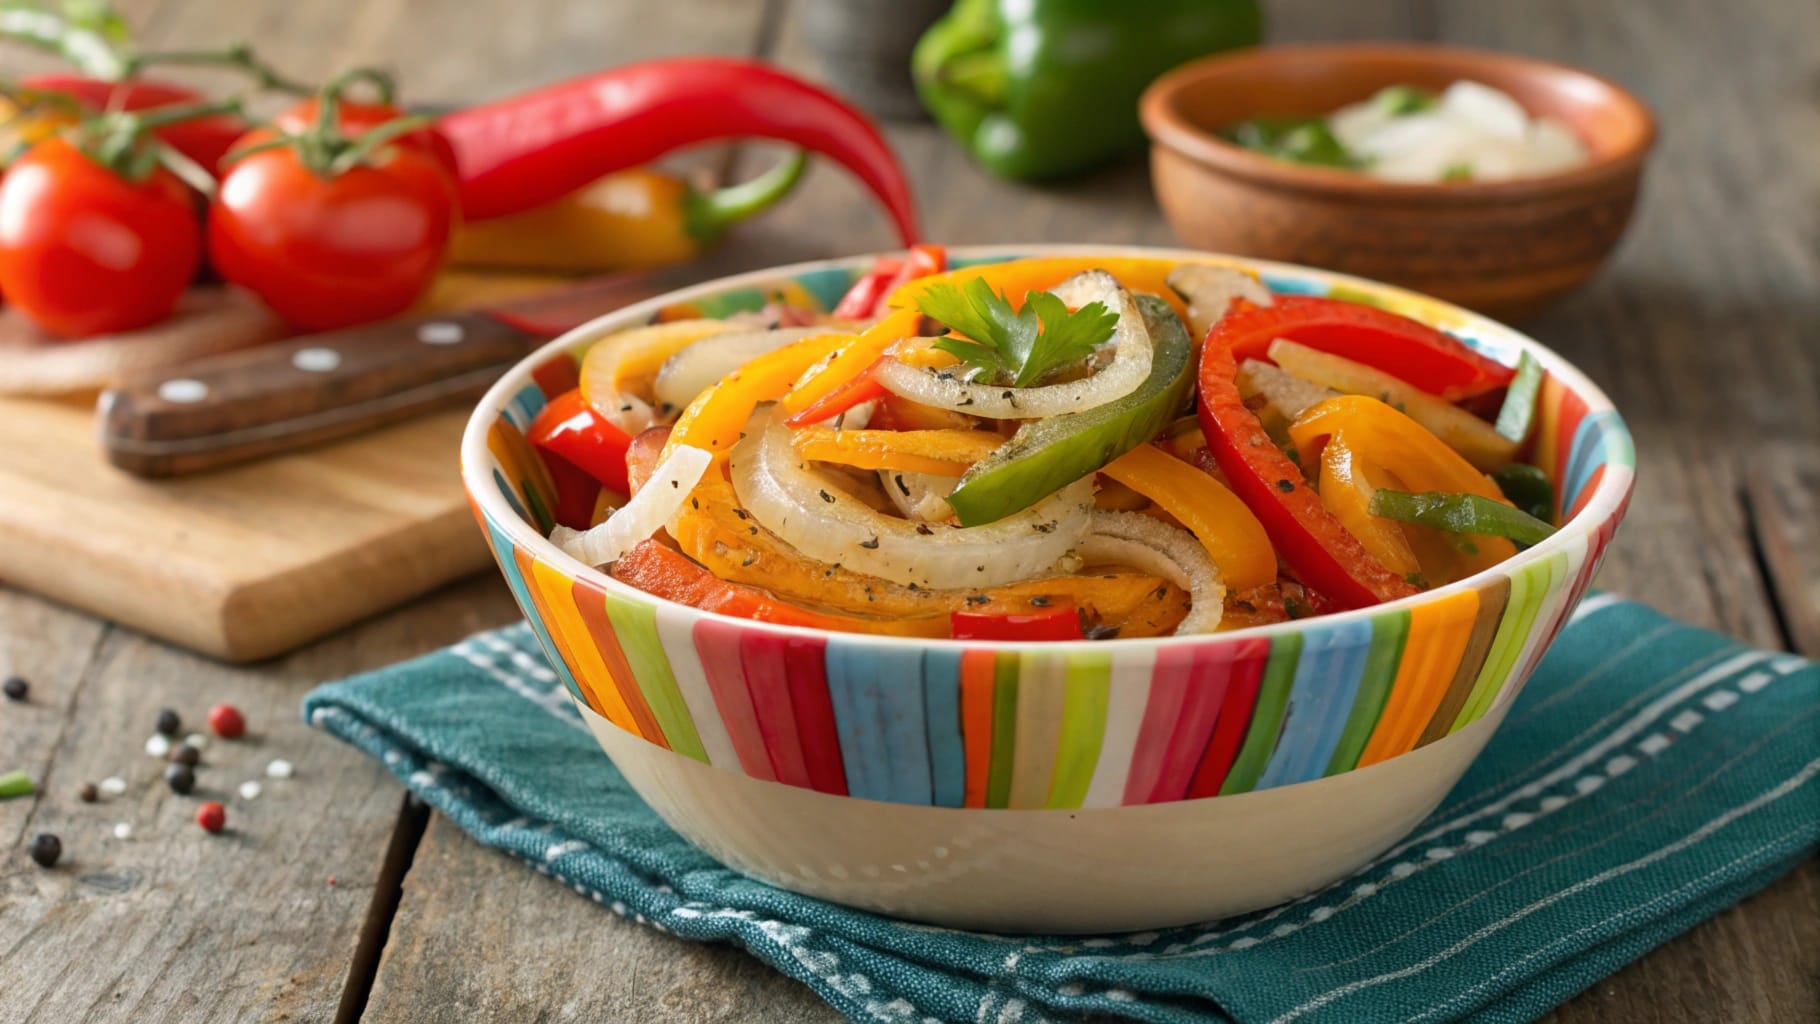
(1047, 787)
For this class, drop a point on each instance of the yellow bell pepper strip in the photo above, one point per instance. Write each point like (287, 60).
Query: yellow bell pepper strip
(1048, 454)
(1232, 535)
(712, 529)
(1347, 486)
(1478, 441)
(1402, 448)
(937, 452)
(1461, 513)
(629, 220)
(618, 362)
(1015, 279)
(854, 363)
(717, 418)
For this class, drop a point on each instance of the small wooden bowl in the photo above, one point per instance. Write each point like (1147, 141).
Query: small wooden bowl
(1505, 248)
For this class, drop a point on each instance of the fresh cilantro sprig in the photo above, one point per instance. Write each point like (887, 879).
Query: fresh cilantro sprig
(1016, 347)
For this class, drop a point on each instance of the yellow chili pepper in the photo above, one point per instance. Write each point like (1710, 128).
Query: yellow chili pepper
(1231, 533)
(936, 452)
(1014, 278)
(1402, 448)
(717, 417)
(634, 219)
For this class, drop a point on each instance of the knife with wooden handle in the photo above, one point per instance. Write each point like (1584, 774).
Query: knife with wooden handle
(273, 398)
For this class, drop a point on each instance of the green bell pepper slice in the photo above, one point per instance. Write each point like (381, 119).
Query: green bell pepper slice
(1527, 488)
(1461, 513)
(1041, 89)
(1048, 454)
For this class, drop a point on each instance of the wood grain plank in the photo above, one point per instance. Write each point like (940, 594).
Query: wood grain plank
(1783, 496)
(173, 924)
(481, 937)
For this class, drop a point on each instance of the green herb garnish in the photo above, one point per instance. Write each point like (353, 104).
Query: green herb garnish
(1016, 347)
(1305, 140)
(1402, 100)
(1457, 172)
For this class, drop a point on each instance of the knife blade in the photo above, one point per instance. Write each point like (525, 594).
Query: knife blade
(313, 388)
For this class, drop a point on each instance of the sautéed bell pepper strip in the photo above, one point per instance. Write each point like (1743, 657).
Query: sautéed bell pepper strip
(936, 452)
(847, 379)
(1348, 483)
(716, 420)
(522, 152)
(570, 428)
(1231, 533)
(1461, 513)
(1517, 416)
(657, 570)
(1416, 353)
(1402, 448)
(1306, 536)
(1048, 454)
(577, 493)
(866, 299)
(1015, 279)
(1528, 488)
(1062, 623)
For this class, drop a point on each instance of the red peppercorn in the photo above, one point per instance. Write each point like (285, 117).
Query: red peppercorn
(211, 816)
(226, 721)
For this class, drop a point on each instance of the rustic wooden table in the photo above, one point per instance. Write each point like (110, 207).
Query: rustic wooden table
(340, 900)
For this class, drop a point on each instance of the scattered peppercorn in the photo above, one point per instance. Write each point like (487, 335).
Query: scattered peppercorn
(279, 768)
(113, 785)
(88, 794)
(183, 753)
(158, 745)
(211, 816)
(16, 783)
(168, 722)
(15, 688)
(181, 778)
(226, 721)
(45, 849)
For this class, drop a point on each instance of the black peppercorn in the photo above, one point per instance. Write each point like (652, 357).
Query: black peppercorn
(181, 778)
(15, 688)
(45, 849)
(87, 793)
(183, 753)
(168, 723)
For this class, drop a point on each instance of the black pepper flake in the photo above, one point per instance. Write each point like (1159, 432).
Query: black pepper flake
(751, 556)
(1100, 632)
(978, 599)
(1048, 527)
(1285, 486)
(627, 407)
(1162, 592)
(1039, 601)
(869, 545)
(695, 503)
(913, 588)
(829, 498)
(979, 568)
(753, 530)
(899, 478)
(1110, 576)
(675, 484)
(1246, 606)
(923, 528)
(740, 513)
(965, 401)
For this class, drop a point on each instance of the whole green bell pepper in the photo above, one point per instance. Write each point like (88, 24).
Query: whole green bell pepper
(1045, 88)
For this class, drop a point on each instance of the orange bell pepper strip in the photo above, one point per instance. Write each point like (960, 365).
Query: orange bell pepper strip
(853, 363)
(717, 417)
(1016, 278)
(1401, 447)
(1231, 533)
(1347, 484)
(936, 452)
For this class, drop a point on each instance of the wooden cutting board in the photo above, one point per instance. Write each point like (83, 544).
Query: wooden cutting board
(245, 562)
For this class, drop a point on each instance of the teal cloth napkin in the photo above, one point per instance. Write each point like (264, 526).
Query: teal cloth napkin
(1650, 775)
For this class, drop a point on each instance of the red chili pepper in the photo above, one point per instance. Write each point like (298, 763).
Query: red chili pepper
(1062, 623)
(570, 428)
(205, 140)
(1320, 551)
(1432, 360)
(525, 151)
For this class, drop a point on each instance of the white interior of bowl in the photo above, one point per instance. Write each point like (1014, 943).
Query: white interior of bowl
(1496, 340)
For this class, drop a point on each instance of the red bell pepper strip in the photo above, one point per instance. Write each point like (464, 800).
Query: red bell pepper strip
(869, 290)
(522, 152)
(204, 139)
(1061, 623)
(1318, 549)
(569, 427)
(1432, 360)
(861, 389)
(575, 491)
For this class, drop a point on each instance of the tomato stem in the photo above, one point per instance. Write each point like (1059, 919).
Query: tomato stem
(238, 56)
(120, 141)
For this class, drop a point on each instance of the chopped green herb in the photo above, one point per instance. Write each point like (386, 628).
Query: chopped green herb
(1457, 172)
(1402, 100)
(1305, 140)
(1416, 579)
(1294, 608)
(1017, 347)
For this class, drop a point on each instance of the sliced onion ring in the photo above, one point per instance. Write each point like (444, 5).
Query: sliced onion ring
(1131, 348)
(1145, 544)
(696, 368)
(635, 354)
(810, 513)
(644, 515)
